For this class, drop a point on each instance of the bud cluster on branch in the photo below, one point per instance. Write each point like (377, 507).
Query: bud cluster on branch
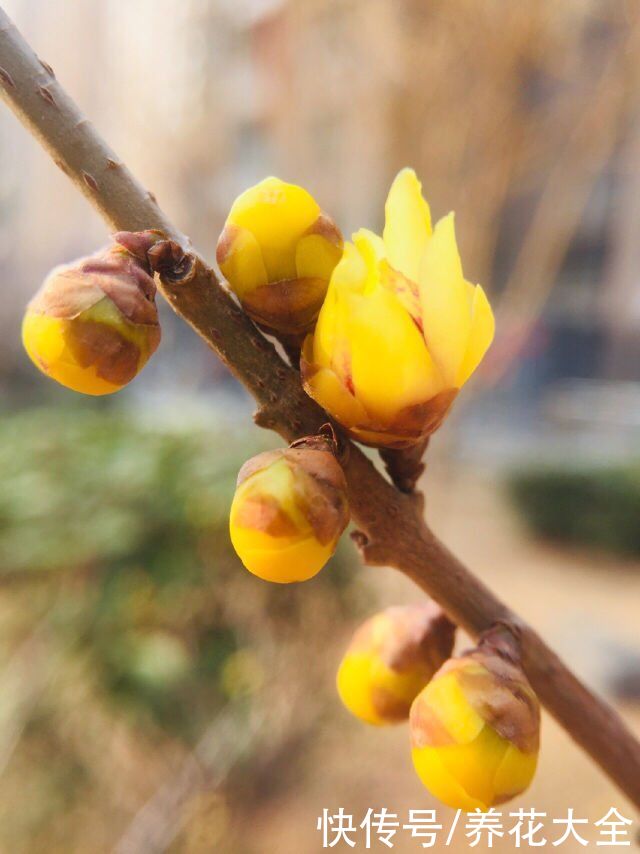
(368, 386)
(388, 330)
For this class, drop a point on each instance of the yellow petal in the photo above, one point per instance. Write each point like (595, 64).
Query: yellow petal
(369, 244)
(390, 366)
(45, 340)
(407, 224)
(445, 298)
(331, 343)
(277, 214)
(354, 683)
(480, 336)
(316, 257)
(240, 259)
(327, 390)
(296, 562)
(449, 702)
(437, 778)
(474, 765)
(515, 773)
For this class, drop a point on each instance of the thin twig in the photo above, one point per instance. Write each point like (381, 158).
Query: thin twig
(392, 527)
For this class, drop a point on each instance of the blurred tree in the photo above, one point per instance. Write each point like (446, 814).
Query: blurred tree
(151, 640)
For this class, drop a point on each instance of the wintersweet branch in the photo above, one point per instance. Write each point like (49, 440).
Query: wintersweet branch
(391, 527)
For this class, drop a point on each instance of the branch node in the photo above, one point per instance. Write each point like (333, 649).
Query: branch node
(47, 67)
(46, 94)
(503, 638)
(90, 181)
(170, 261)
(265, 417)
(371, 552)
(6, 78)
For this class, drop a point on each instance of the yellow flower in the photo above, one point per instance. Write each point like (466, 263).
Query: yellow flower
(401, 330)
(390, 659)
(288, 513)
(475, 732)
(93, 325)
(277, 251)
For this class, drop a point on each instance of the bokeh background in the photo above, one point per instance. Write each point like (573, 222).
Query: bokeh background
(153, 695)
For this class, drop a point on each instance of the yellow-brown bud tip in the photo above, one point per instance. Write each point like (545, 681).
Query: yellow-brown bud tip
(391, 658)
(475, 731)
(277, 251)
(93, 325)
(288, 513)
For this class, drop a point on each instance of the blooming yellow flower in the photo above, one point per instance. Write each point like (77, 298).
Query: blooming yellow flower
(288, 513)
(390, 659)
(93, 325)
(401, 330)
(277, 251)
(475, 732)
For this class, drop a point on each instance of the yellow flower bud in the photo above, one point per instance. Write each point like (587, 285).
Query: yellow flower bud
(401, 330)
(277, 251)
(390, 659)
(475, 731)
(93, 324)
(289, 511)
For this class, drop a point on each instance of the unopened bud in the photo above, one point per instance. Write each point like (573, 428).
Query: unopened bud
(93, 324)
(278, 251)
(475, 731)
(391, 658)
(288, 512)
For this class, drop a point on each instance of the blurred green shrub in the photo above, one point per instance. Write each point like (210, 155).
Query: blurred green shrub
(596, 507)
(114, 547)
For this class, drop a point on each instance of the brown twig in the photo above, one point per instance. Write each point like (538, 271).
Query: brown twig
(392, 528)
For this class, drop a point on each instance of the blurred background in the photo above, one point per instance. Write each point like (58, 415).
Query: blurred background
(153, 695)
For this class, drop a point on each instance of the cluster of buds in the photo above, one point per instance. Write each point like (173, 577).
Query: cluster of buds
(390, 659)
(474, 720)
(390, 330)
(93, 325)
(475, 729)
(277, 252)
(394, 328)
(289, 510)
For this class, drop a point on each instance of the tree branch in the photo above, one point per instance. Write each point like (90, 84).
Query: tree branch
(392, 528)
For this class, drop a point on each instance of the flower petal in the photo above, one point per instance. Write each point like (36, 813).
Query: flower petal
(328, 390)
(390, 366)
(277, 214)
(440, 781)
(407, 224)
(319, 250)
(480, 336)
(515, 773)
(445, 298)
(240, 259)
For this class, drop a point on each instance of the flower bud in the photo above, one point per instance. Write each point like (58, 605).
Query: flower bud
(93, 324)
(391, 658)
(475, 731)
(400, 330)
(289, 511)
(277, 251)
